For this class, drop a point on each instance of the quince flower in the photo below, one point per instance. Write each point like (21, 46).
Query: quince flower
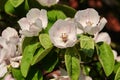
(48, 2)
(103, 36)
(33, 23)
(89, 21)
(11, 35)
(63, 34)
(8, 49)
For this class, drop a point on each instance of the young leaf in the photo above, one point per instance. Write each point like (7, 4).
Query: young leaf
(45, 41)
(27, 57)
(40, 55)
(9, 9)
(16, 3)
(17, 74)
(69, 11)
(106, 57)
(87, 45)
(72, 63)
(117, 76)
(55, 14)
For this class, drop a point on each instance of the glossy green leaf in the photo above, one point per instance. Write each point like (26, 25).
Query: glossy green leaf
(27, 57)
(54, 15)
(27, 41)
(45, 41)
(87, 45)
(50, 61)
(26, 5)
(16, 3)
(9, 9)
(68, 11)
(117, 76)
(34, 73)
(106, 57)
(17, 74)
(40, 55)
(72, 63)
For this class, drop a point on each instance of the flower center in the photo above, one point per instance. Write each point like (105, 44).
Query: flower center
(64, 37)
(89, 23)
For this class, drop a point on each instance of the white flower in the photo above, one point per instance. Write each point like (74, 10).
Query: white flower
(33, 23)
(63, 34)
(103, 36)
(48, 2)
(11, 35)
(8, 43)
(89, 21)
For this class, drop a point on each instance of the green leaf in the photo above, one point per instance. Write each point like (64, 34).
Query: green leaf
(50, 61)
(16, 3)
(26, 5)
(45, 41)
(28, 40)
(87, 45)
(17, 74)
(40, 55)
(54, 15)
(106, 57)
(34, 73)
(72, 63)
(68, 11)
(117, 76)
(9, 9)
(117, 65)
(27, 57)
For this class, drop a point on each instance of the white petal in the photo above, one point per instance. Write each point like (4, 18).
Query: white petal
(3, 55)
(33, 14)
(114, 53)
(43, 17)
(48, 2)
(101, 24)
(118, 59)
(24, 24)
(11, 35)
(36, 27)
(15, 64)
(3, 42)
(90, 14)
(28, 33)
(3, 69)
(103, 36)
(11, 50)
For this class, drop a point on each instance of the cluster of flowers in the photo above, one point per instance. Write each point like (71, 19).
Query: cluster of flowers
(10, 54)
(63, 33)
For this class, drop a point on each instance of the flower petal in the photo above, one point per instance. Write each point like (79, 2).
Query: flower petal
(103, 36)
(3, 69)
(43, 17)
(24, 24)
(101, 24)
(48, 2)
(33, 14)
(11, 35)
(83, 16)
